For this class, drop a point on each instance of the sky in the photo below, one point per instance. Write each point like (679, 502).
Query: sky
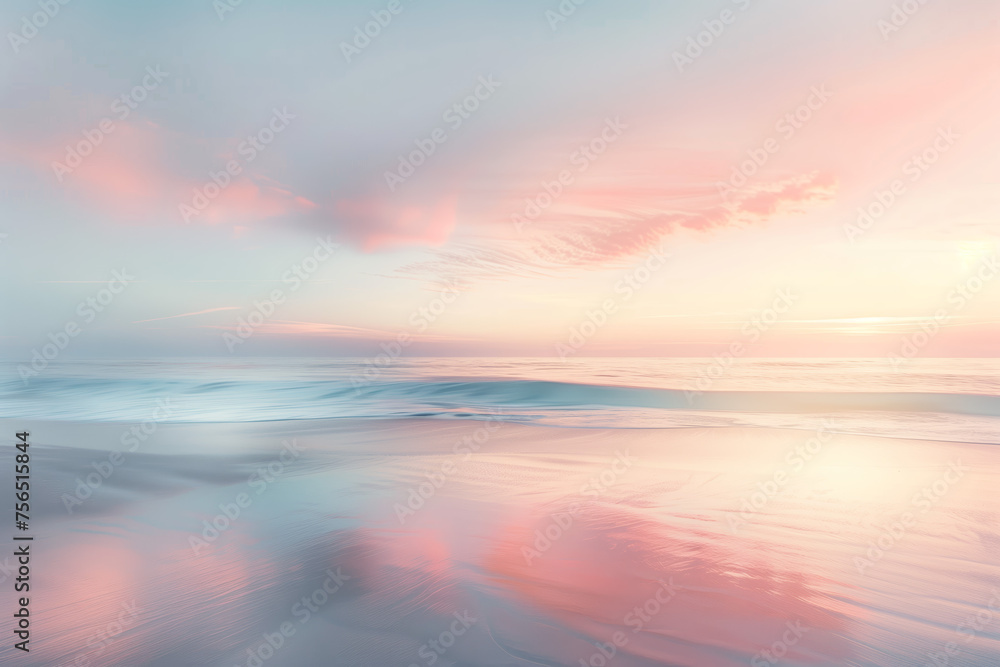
(633, 178)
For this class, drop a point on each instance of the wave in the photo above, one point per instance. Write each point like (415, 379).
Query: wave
(532, 393)
(125, 399)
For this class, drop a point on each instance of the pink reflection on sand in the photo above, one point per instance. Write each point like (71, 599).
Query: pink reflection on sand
(731, 601)
(112, 591)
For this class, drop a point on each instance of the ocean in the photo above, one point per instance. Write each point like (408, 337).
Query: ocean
(500, 511)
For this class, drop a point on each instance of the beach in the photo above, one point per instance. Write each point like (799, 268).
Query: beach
(484, 542)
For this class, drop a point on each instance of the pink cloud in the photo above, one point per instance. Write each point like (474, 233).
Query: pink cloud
(137, 173)
(376, 223)
(769, 199)
(627, 223)
(246, 201)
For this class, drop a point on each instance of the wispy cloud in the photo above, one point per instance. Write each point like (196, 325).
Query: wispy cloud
(625, 224)
(200, 312)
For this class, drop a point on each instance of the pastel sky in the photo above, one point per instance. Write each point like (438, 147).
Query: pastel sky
(834, 99)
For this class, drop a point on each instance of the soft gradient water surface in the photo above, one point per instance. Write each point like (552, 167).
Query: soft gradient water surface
(835, 512)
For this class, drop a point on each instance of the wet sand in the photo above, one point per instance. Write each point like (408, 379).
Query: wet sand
(447, 542)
